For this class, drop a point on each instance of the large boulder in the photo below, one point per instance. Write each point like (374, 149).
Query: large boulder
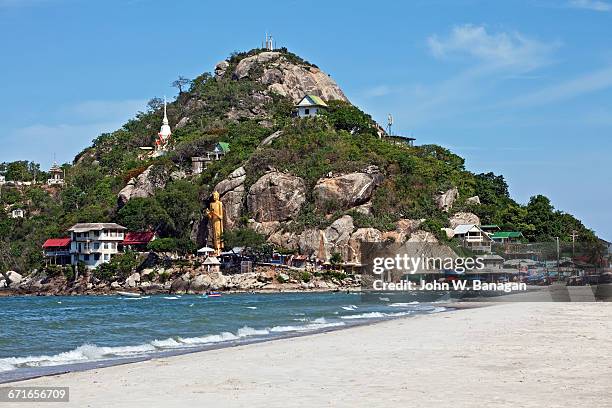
(403, 228)
(358, 237)
(475, 200)
(283, 239)
(144, 185)
(463, 218)
(232, 191)
(14, 279)
(133, 280)
(446, 199)
(284, 77)
(348, 190)
(422, 236)
(276, 197)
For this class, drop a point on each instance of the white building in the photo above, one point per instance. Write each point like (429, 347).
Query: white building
(2, 180)
(95, 243)
(309, 106)
(473, 236)
(57, 176)
(17, 213)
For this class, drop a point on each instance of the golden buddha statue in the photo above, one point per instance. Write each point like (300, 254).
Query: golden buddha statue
(215, 214)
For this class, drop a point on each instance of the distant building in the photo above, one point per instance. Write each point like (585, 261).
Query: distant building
(18, 213)
(57, 175)
(2, 180)
(490, 228)
(400, 140)
(309, 106)
(199, 163)
(473, 237)
(138, 241)
(212, 264)
(95, 243)
(503, 237)
(57, 251)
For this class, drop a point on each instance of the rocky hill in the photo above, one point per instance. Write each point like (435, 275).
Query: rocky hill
(319, 185)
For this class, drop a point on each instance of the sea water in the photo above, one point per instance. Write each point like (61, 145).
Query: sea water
(52, 334)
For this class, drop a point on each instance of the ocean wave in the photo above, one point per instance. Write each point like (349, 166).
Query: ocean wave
(212, 338)
(86, 352)
(92, 352)
(350, 307)
(170, 297)
(249, 331)
(251, 307)
(403, 304)
(369, 315)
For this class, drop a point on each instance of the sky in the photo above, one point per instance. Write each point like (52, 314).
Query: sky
(519, 88)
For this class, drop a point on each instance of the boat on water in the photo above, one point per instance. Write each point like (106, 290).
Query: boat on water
(214, 294)
(129, 294)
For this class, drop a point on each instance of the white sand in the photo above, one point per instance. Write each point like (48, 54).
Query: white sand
(511, 355)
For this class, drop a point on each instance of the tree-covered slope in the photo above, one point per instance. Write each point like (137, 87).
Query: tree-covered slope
(249, 98)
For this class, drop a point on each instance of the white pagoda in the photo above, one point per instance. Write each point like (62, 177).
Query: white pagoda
(164, 132)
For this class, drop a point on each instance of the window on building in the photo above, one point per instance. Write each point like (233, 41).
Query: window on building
(306, 111)
(86, 257)
(96, 257)
(106, 257)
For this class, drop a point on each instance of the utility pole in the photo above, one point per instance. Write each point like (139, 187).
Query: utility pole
(558, 266)
(574, 235)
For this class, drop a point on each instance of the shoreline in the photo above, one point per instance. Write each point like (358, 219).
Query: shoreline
(513, 354)
(49, 371)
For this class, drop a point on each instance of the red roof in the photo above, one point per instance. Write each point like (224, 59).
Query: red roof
(56, 243)
(138, 238)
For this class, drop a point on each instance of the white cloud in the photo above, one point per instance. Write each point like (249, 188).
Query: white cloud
(588, 83)
(595, 5)
(504, 49)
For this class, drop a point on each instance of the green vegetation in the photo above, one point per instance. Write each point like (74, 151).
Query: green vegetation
(343, 139)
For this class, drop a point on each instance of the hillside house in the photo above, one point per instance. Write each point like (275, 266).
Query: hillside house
(505, 237)
(18, 213)
(473, 237)
(2, 180)
(95, 243)
(57, 251)
(309, 106)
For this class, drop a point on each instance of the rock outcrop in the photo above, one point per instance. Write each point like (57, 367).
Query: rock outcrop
(346, 191)
(445, 200)
(276, 196)
(475, 200)
(464, 218)
(284, 77)
(144, 185)
(358, 237)
(232, 191)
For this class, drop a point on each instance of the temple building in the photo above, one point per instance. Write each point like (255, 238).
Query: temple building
(164, 132)
(57, 175)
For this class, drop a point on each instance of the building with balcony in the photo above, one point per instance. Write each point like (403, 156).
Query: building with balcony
(473, 237)
(57, 251)
(95, 243)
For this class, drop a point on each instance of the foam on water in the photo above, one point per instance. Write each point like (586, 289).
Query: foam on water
(403, 304)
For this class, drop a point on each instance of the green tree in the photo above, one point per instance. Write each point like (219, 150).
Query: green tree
(143, 214)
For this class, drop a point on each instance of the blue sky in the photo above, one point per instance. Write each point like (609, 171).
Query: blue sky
(520, 88)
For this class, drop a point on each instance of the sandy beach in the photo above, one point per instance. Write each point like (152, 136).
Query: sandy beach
(508, 355)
